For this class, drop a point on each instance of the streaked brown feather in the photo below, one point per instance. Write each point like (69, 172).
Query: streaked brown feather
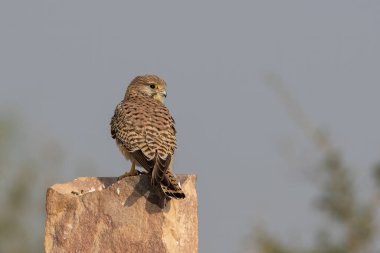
(171, 187)
(160, 168)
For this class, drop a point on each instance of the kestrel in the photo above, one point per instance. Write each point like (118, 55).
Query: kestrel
(145, 133)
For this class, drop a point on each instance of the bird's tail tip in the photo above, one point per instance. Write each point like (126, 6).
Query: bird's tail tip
(173, 193)
(171, 186)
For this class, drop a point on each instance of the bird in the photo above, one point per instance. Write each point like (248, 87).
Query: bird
(145, 133)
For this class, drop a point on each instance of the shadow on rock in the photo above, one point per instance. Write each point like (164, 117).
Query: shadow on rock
(107, 181)
(156, 200)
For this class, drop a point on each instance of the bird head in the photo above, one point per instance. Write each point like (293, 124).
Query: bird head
(148, 85)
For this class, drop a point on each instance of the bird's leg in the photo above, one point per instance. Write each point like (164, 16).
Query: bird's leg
(132, 172)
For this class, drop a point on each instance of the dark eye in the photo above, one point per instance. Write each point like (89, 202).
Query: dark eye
(153, 86)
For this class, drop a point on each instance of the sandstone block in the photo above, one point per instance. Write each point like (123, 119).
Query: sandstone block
(105, 215)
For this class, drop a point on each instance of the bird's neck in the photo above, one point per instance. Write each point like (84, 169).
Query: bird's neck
(138, 94)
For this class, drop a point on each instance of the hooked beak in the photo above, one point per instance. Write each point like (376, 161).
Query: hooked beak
(163, 93)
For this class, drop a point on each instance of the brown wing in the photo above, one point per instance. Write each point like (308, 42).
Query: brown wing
(145, 125)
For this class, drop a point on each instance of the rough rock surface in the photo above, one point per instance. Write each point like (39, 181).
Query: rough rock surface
(106, 215)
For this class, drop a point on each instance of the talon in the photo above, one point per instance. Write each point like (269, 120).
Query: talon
(128, 174)
(131, 173)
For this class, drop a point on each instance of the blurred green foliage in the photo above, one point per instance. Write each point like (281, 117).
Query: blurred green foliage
(355, 219)
(25, 173)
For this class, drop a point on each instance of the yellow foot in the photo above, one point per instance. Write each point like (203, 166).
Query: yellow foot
(129, 174)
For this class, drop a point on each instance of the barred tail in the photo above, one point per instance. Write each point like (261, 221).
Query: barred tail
(171, 187)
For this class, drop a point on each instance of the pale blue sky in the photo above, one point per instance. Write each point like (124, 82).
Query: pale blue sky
(66, 64)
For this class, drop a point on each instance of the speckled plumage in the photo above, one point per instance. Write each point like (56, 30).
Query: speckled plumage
(145, 133)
